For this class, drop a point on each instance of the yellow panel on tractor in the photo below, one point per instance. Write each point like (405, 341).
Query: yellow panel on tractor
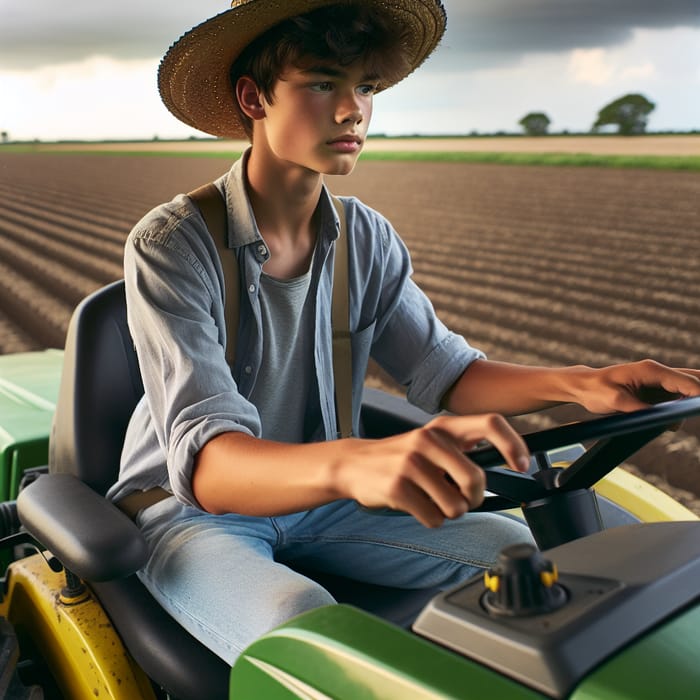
(641, 498)
(81, 648)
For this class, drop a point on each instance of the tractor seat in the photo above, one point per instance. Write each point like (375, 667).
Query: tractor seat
(66, 510)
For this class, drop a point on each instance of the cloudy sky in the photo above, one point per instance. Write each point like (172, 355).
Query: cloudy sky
(86, 69)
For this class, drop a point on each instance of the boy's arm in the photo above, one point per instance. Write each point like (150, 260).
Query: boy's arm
(407, 472)
(516, 389)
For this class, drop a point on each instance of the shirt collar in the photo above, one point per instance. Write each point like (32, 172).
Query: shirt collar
(242, 227)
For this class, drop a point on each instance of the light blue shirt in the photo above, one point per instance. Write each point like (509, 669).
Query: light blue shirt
(175, 304)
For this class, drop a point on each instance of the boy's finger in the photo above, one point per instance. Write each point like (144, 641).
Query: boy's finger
(447, 477)
(683, 382)
(493, 428)
(423, 508)
(501, 434)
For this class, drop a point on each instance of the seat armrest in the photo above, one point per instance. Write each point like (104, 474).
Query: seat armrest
(85, 531)
(385, 415)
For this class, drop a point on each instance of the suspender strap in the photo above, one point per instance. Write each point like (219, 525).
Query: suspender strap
(213, 209)
(340, 323)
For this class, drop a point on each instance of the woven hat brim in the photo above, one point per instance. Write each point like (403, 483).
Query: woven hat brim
(193, 78)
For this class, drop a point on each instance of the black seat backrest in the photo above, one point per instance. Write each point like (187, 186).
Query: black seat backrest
(100, 386)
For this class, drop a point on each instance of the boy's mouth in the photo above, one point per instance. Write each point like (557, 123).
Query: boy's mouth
(347, 138)
(348, 143)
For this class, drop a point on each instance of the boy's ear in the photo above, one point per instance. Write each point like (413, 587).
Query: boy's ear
(249, 98)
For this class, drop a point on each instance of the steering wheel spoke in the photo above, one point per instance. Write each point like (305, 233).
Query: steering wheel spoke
(514, 487)
(494, 503)
(602, 458)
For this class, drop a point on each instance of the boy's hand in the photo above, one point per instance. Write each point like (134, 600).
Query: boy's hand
(425, 472)
(634, 386)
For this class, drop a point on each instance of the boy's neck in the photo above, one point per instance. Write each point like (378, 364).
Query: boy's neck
(284, 200)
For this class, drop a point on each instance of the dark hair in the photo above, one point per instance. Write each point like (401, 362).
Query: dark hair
(342, 34)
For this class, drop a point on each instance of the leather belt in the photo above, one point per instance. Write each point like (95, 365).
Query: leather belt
(138, 500)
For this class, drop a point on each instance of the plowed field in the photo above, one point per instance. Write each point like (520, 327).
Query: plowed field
(536, 265)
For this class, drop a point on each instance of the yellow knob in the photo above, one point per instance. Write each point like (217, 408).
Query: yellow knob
(549, 578)
(491, 581)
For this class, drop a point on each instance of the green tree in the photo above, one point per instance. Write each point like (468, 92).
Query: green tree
(535, 123)
(629, 113)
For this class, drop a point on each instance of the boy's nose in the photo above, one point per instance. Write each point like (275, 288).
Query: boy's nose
(348, 110)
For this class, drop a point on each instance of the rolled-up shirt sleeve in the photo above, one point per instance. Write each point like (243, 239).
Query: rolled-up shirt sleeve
(175, 313)
(411, 343)
(421, 353)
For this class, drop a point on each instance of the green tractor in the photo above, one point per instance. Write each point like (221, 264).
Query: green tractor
(607, 606)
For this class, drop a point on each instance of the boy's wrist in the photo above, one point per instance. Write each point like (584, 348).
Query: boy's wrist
(335, 474)
(572, 383)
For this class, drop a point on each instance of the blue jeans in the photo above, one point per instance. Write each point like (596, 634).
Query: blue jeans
(225, 579)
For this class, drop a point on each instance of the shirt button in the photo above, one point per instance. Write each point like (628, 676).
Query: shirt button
(262, 250)
(248, 369)
(251, 289)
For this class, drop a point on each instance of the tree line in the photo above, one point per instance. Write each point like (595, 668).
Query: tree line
(629, 113)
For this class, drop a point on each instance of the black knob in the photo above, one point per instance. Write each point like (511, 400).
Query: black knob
(522, 582)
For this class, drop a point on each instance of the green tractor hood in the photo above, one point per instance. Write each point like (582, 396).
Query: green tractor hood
(28, 389)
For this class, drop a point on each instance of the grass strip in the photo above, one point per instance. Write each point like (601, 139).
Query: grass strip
(97, 151)
(556, 159)
(688, 163)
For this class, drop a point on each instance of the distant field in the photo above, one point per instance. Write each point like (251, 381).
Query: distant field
(670, 145)
(533, 264)
(668, 152)
(661, 145)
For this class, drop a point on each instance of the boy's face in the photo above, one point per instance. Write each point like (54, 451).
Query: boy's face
(319, 117)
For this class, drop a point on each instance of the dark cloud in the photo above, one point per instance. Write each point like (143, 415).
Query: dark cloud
(37, 32)
(497, 31)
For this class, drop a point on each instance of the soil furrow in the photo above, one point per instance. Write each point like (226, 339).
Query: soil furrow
(34, 309)
(100, 226)
(537, 246)
(13, 337)
(573, 304)
(72, 285)
(54, 245)
(618, 292)
(583, 245)
(107, 211)
(638, 283)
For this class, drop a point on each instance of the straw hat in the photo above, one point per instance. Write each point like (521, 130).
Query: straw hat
(193, 77)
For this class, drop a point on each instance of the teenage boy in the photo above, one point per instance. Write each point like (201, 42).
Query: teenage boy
(248, 456)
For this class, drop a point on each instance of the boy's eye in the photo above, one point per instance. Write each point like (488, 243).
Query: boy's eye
(367, 90)
(324, 86)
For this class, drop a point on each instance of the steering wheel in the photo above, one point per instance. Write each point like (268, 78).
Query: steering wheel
(559, 504)
(560, 500)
